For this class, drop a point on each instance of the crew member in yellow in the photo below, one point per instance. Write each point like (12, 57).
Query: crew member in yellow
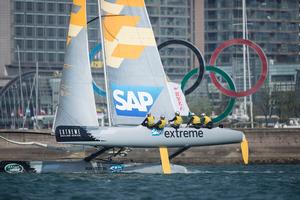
(177, 120)
(149, 121)
(194, 121)
(161, 123)
(206, 121)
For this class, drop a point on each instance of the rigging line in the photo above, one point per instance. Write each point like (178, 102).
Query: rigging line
(10, 101)
(92, 20)
(38, 144)
(102, 16)
(106, 29)
(24, 143)
(29, 100)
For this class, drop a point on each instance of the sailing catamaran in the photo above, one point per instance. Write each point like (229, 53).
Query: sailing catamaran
(136, 84)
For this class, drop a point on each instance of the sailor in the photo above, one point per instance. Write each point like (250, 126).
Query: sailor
(149, 121)
(194, 121)
(206, 121)
(177, 120)
(161, 123)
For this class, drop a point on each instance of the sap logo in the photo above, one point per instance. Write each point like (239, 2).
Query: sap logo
(140, 102)
(134, 101)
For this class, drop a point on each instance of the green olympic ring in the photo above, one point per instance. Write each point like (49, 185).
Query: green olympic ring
(227, 78)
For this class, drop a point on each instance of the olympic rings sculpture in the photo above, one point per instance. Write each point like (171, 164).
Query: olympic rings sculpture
(231, 91)
(213, 69)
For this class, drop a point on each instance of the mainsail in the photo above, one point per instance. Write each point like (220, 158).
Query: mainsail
(76, 101)
(136, 79)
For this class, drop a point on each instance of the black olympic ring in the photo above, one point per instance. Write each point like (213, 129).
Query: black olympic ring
(198, 55)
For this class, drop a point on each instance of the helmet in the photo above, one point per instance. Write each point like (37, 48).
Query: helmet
(177, 113)
(149, 114)
(203, 114)
(192, 114)
(162, 117)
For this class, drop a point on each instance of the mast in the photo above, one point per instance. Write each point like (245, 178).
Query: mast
(104, 64)
(246, 63)
(21, 88)
(249, 76)
(15, 112)
(244, 53)
(36, 94)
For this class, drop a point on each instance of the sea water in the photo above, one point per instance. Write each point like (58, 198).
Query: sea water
(201, 182)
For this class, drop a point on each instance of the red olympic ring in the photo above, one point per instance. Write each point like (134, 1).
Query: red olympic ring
(263, 74)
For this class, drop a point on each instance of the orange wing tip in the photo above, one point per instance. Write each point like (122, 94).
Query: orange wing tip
(245, 151)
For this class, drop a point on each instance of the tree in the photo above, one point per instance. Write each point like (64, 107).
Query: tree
(287, 105)
(266, 102)
(277, 101)
(199, 105)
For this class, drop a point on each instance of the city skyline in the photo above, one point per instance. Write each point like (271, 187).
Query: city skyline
(39, 29)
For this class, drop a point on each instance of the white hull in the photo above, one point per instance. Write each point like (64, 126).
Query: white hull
(139, 136)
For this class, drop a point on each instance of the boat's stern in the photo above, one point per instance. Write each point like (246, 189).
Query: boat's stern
(70, 134)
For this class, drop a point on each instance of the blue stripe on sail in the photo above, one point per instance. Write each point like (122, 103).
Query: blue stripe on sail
(97, 89)
(94, 51)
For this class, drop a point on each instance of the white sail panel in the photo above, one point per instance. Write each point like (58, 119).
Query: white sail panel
(178, 99)
(76, 101)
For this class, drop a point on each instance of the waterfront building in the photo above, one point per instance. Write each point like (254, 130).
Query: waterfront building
(173, 19)
(35, 31)
(273, 24)
(39, 29)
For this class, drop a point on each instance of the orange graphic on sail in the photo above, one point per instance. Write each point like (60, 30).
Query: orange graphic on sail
(77, 19)
(133, 3)
(123, 39)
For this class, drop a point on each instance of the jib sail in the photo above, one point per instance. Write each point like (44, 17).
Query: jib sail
(76, 101)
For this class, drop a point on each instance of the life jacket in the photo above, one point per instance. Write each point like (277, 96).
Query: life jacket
(150, 120)
(162, 124)
(178, 120)
(206, 119)
(196, 120)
